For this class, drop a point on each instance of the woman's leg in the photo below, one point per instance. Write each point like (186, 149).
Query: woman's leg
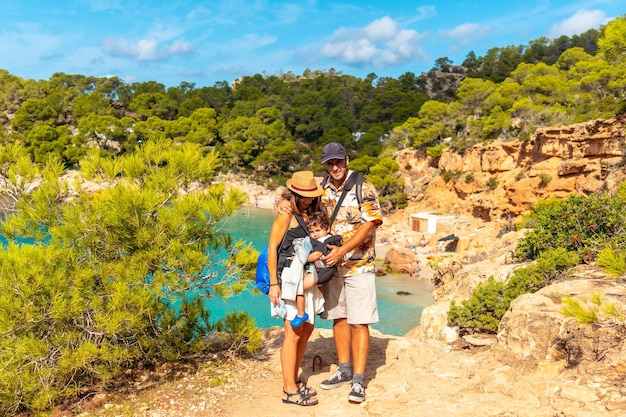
(307, 329)
(292, 352)
(291, 355)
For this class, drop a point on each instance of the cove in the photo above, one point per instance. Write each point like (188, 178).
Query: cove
(398, 313)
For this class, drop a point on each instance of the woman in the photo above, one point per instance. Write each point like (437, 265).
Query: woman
(304, 194)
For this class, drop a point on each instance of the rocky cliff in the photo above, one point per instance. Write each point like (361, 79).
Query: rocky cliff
(506, 177)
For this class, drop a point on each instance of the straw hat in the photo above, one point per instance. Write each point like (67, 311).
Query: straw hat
(303, 183)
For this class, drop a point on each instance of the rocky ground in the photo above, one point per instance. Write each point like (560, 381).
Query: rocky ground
(405, 378)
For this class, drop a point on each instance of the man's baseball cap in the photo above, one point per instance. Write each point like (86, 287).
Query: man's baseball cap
(333, 150)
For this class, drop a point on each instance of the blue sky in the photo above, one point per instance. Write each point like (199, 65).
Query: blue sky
(204, 42)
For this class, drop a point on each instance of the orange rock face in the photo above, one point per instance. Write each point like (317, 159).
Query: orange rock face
(507, 177)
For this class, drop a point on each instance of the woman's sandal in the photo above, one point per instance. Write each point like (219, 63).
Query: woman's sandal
(306, 390)
(303, 400)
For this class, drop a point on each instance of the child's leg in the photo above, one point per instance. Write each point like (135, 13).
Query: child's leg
(300, 305)
(302, 316)
(308, 281)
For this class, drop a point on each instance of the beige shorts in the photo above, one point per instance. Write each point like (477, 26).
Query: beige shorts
(352, 297)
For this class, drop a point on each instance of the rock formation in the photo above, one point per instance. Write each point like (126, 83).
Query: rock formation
(506, 177)
(495, 183)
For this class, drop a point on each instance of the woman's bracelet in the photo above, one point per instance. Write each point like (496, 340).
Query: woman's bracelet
(271, 285)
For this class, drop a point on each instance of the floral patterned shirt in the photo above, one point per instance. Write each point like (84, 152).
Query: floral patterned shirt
(350, 218)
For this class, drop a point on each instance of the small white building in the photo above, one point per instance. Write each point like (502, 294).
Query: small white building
(426, 222)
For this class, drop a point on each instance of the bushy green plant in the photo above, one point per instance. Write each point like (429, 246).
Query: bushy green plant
(548, 267)
(544, 178)
(469, 178)
(389, 202)
(483, 311)
(612, 261)
(492, 182)
(244, 336)
(592, 310)
(436, 151)
(583, 224)
(116, 278)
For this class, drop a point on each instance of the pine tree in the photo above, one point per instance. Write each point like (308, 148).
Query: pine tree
(112, 278)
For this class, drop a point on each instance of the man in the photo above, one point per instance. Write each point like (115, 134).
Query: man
(351, 295)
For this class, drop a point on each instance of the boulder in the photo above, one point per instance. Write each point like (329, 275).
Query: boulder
(534, 330)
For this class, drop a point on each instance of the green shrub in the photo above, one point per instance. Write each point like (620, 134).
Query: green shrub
(469, 178)
(592, 310)
(435, 151)
(244, 336)
(401, 201)
(119, 278)
(612, 261)
(582, 224)
(483, 311)
(544, 178)
(492, 182)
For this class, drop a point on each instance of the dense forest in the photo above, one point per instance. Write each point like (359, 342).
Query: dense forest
(116, 280)
(269, 125)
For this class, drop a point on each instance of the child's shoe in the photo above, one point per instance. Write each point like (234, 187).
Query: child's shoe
(297, 321)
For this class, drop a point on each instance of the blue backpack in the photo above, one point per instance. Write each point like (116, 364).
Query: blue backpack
(263, 272)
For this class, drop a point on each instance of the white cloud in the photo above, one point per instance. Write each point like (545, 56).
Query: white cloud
(465, 33)
(145, 49)
(179, 47)
(381, 29)
(382, 43)
(423, 13)
(580, 22)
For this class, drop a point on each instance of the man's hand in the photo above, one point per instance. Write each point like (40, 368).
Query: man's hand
(334, 257)
(283, 206)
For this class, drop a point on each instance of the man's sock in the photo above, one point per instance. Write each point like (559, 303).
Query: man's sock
(357, 378)
(345, 368)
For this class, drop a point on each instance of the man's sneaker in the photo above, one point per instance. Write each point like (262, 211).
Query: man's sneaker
(337, 380)
(357, 393)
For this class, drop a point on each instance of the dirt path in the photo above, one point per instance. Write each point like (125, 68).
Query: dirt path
(405, 378)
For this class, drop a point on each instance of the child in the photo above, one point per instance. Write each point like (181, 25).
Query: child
(317, 272)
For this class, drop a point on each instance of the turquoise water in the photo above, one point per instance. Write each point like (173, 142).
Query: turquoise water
(398, 314)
